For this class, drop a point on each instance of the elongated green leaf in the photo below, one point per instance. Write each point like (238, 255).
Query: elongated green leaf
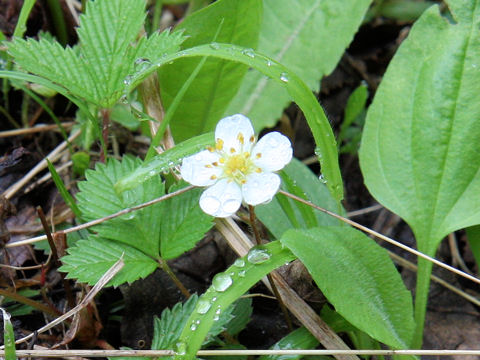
(8, 336)
(300, 338)
(183, 223)
(359, 279)
(419, 153)
(276, 215)
(164, 162)
(322, 132)
(227, 21)
(89, 259)
(69, 200)
(308, 37)
(226, 288)
(97, 198)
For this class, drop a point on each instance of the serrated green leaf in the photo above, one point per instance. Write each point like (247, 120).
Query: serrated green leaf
(420, 147)
(97, 198)
(226, 21)
(359, 279)
(286, 36)
(106, 32)
(89, 259)
(241, 315)
(282, 214)
(183, 223)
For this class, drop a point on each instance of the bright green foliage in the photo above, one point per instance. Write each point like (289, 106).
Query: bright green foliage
(241, 315)
(95, 70)
(89, 259)
(297, 339)
(8, 336)
(359, 279)
(226, 21)
(283, 213)
(226, 288)
(308, 37)
(183, 223)
(299, 92)
(97, 198)
(420, 150)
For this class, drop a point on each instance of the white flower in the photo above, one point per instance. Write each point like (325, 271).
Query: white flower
(237, 169)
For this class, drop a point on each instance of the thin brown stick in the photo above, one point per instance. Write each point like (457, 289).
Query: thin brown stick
(89, 297)
(258, 240)
(161, 353)
(105, 113)
(35, 129)
(101, 220)
(383, 237)
(27, 301)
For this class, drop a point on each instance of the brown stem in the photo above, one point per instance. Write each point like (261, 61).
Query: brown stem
(164, 265)
(258, 241)
(105, 125)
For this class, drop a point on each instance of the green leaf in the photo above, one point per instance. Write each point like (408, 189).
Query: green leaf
(240, 316)
(8, 336)
(420, 147)
(299, 338)
(226, 288)
(183, 223)
(283, 213)
(69, 200)
(359, 279)
(308, 37)
(164, 162)
(354, 111)
(97, 198)
(318, 122)
(227, 21)
(89, 259)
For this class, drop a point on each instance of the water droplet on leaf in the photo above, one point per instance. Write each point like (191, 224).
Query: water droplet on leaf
(258, 255)
(284, 77)
(203, 306)
(214, 46)
(239, 263)
(222, 282)
(249, 53)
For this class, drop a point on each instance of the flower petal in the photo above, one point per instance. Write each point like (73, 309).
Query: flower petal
(272, 152)
(198, 169)
(260, 188)
(231, 130)
(222, 199)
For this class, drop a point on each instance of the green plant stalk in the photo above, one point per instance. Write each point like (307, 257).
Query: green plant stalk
(421, 298)
(24, 111)
(244, 273)
(8, 337)
(69, 200)
(157, 13)
(301, 94)
(58, 21)
(27, 301)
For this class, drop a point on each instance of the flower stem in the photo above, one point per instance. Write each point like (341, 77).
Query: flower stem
(258, 241)
(164, 265)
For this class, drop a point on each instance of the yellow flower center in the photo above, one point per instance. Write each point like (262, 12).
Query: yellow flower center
(237, 167)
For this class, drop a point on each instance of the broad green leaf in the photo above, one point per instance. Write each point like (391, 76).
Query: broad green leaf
(183, 223)
(241, 315)
(359, 279)
(283, 213)
(299, 338)
(97, 198)
(308, 37)
(420, 147)
(227, 21)
(225, 289)
(318, 122)
(164, 161)
(89, 259)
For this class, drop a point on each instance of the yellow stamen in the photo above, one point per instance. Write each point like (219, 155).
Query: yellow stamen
(215, 163)
(243, 181)
(208, 166)
(240, 138)
(210, 148)
(252, 139)
(258, 156)
(258, 170)
(222, 160)
(213, 177)
(219, 144)
(232, 150)
(246, 154)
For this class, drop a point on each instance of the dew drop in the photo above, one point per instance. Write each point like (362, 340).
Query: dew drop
(222, 282)
(216, 318)
(181, 348)
(214, 46)
(284, 77)
(249, 53)
(269, 63)
(210, 204)
(193, 327)
(203, 306)
(258, 255)
(241, 273)
(218, 311)
(214, 299)
(322, 179)
(124, 99)
(128, 80)
(231, 205)
(239, 263)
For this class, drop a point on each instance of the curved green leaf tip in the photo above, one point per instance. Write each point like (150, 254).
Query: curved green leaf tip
(225, 289)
